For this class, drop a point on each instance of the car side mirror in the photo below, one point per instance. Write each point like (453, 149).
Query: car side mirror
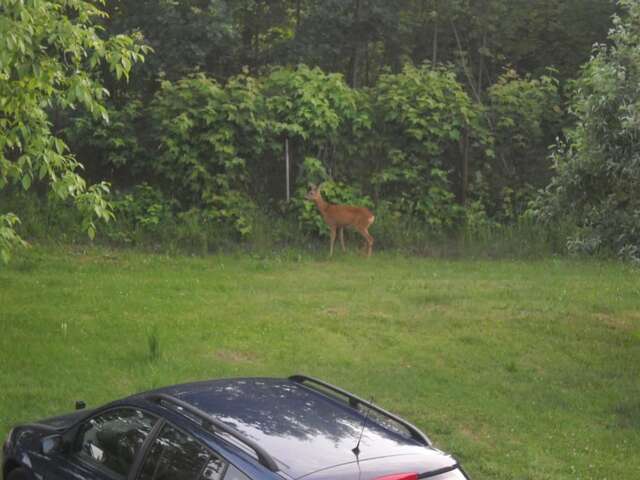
(52, 444)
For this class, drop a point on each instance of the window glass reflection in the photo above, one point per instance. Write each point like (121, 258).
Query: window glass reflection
(114, 438)
(234, 474)
(175, 455)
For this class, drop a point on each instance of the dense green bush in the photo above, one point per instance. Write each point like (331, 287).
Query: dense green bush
(196, 137)
(8, 236)
(45, 217)
(143, 211)
(421, 116)
(200, 129)
(313, 110)
(109, 148)
(523, 115)
(208, 157)
(219, 148)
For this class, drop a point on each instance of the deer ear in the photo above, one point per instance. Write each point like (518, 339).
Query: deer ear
(312, 186)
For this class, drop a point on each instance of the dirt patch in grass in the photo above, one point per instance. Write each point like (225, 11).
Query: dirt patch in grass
(476, 435)
(628, 415)
(235, 356)
(340, 312)
(615, 322)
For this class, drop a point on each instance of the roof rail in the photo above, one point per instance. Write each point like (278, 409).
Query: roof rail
(354, 401)
(217, 426)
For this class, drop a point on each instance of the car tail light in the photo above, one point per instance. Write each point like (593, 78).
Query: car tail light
(400, 476)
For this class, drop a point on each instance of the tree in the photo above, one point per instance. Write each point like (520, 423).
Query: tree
(597, 165)
(187, 36)
(356, 38)
(49, 53)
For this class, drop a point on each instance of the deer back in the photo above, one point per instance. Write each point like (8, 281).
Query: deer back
(345, 215)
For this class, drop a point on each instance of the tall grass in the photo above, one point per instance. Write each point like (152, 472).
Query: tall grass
(48, 221)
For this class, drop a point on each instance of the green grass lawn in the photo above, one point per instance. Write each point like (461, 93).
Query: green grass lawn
(523, 370)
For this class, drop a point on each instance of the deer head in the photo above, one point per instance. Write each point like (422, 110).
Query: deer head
(314, 193)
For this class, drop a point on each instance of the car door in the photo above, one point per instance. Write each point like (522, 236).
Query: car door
(106, 446)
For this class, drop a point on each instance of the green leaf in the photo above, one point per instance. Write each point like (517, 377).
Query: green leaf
(26, 182)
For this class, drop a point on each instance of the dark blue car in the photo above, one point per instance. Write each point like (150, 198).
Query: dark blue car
(230, 429)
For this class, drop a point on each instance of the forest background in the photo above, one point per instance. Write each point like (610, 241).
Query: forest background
(499, 127)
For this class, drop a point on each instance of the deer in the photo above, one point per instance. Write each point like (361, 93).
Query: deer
(339, 216)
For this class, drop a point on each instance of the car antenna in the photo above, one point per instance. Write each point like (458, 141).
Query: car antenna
(356, 449)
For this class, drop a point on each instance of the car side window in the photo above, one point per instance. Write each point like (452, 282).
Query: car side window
(113, 439)
(175, 455)
(233, 473)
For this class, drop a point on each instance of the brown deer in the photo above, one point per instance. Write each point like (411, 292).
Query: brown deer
(339, 216)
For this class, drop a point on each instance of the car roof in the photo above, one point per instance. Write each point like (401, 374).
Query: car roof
(302, 428)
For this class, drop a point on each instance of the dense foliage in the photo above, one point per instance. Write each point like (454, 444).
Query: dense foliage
(598, 165)
(438, 115)
(524, 116)
(199, 130)
(422, 115)
(48, 52)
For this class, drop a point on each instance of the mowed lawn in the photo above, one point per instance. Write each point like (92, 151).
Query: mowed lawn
(523, 370)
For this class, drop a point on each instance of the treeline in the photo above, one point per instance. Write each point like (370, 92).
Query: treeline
(361, 39)
(206, 117)
(439, 114)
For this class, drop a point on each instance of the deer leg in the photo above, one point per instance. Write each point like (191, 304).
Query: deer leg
(332, 241)
(342, 238)
(368, 241)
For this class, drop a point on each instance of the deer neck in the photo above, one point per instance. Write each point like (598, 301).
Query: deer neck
(321, 204)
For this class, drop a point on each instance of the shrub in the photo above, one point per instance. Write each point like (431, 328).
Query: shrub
(198, 127)
(142, 212)
(523, 116)
(314, 111)
(421, 115)
(113, 146)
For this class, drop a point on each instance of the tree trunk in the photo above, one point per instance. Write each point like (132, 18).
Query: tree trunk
(366, 64)
(247, 36)
(434, 54)
(481, 60)
(287, 163)
(356, 45)
(465, 65)
(298, 8)
(465, 167)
